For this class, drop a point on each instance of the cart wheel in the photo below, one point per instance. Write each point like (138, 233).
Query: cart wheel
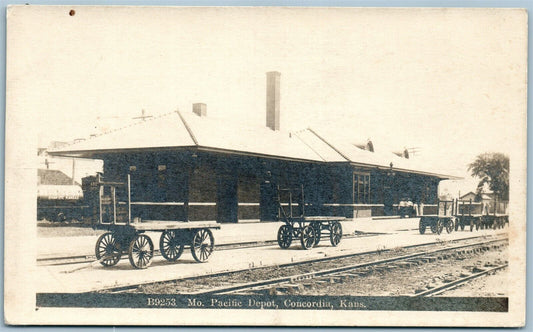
(433, 228)
(141, 251)
(449, 226)
(462, 226)
(61, 217)
(472, 225)
(202, 245)
(477, 225)
(170, 245)
(307, 238)
(284, 237)
(335, 233)
(456, 224)
(439, 226)
(318, 229)
(422, 226)
(107, 249)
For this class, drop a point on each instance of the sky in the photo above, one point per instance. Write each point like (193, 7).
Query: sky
(449, 82)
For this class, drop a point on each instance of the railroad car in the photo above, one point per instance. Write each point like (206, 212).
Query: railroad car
(60, 203)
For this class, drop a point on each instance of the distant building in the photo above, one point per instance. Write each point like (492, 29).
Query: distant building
(485, 197)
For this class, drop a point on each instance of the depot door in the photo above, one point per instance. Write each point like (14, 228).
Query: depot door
(227, 201)
(268, 204)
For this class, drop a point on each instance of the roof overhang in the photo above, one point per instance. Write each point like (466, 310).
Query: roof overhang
(100, 154)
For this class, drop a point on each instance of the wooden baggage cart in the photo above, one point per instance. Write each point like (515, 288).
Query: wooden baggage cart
(126, 234)
(309, 229)
(468, 213)
(444, 219)
(497, 218)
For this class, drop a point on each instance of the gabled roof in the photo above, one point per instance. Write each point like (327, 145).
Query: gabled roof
(467, 194)
(166, 130)
(364, 158)
(177, 130)
(53, 177)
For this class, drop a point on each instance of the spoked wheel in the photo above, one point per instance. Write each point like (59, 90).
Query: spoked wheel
(462, 226)
(335, 234)
(202, 245)
(171, 245)
(284, 237)
(433, 228)
(422, 227)
(318, 229)
(439, 226)
(141, 251)
(449, 226)
(456, 224)
(107, 249)
(307, 238)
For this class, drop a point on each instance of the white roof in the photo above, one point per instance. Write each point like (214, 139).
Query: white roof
(379, 158)
(178, 130)
(163, 131)
(59, 191)
(220, 134)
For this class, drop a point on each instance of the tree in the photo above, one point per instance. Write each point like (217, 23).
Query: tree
(493, 170)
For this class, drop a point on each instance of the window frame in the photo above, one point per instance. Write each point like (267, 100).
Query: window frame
(361, 193)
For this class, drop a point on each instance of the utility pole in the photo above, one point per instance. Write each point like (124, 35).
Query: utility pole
(143, 116)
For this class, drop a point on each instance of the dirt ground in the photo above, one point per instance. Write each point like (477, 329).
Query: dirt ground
(493, 285)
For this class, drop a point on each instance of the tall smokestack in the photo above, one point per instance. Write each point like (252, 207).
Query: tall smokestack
(272, 100)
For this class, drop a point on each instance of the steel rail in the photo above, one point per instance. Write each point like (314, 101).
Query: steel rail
(458, 282)
(117, 289)
(311, 275)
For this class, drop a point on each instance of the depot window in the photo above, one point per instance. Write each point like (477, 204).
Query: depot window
(361, 188)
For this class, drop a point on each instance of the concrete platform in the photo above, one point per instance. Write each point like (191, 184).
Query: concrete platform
(50, 247)
(90, 277)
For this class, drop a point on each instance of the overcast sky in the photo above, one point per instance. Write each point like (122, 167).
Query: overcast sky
(451, 82)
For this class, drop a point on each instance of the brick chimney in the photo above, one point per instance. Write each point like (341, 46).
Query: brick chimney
(272, 100)
(199, 109)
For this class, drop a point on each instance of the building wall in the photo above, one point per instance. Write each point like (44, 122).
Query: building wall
(211, 186)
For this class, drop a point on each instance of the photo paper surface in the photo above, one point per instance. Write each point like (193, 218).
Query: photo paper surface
(275, 166)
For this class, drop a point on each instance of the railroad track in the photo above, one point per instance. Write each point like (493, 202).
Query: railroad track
(459, 282)
(297, 281)
(82, 259)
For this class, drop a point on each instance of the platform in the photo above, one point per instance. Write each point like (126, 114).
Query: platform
(91, 277)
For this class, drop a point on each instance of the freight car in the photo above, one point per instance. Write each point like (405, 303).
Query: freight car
(60, 203)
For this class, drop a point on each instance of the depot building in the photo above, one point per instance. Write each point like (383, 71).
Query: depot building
(188, 166)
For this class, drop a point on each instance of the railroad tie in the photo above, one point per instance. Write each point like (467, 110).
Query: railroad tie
(429, 259)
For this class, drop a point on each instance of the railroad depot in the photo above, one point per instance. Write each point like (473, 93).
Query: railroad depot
(187, 166)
